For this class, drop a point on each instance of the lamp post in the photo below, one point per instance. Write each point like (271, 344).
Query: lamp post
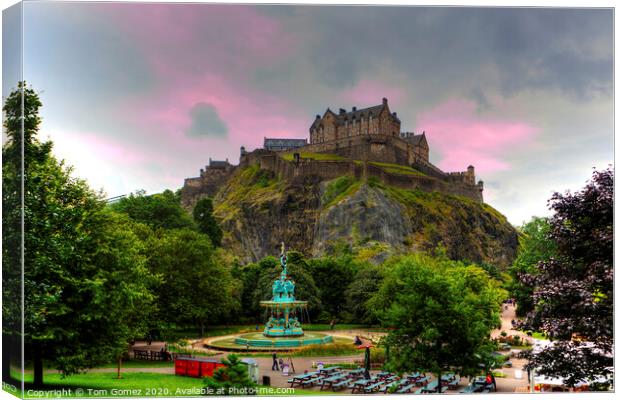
(366, 346)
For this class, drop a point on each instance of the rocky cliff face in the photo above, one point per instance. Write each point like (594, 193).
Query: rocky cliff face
(257, 211)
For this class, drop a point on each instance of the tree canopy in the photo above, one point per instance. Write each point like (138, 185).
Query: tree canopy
(573, 291)
(197, 289)
(206, 222)
(161, 210)
(441, 313)
(535, 245)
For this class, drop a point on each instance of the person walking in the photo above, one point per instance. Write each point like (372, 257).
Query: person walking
(274, 367)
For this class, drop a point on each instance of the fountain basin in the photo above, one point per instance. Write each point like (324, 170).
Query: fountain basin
(260, 340)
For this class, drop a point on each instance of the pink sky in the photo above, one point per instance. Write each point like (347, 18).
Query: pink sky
(462, 136)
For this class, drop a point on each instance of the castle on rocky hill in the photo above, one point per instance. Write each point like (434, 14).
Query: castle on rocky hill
(365, 142)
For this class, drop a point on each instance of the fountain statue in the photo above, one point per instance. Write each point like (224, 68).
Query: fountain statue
(283, 328)
(283, 307)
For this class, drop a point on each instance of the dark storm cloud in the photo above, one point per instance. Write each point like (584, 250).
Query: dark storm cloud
(205, 121)
(567, 50)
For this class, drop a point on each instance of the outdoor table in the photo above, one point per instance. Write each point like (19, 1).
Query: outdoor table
(300, 379)
(397, 384)
(430, 388)
(359, 385)
(329, 382)
(423, 380)
(326, 371)
(356, 372)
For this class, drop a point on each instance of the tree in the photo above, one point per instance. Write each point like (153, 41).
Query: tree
(233, 375)
(12, 175)
(535, 245)
(161, 210)
(78, 309)
(362, 288)
(329, 270)
(206, 222)
(573, 295)
(250, 275)
(198, 289)
(441, 313)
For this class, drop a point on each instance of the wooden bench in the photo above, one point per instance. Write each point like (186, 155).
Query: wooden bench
(141, 354)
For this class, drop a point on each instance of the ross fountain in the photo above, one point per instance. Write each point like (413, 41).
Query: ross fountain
(283, 329)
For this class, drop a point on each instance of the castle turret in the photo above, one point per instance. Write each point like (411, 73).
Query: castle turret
(470, 176)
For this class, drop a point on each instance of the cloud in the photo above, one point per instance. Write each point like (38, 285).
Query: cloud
(462, 136)
(205, 121)
(369, 92)
(524, 94)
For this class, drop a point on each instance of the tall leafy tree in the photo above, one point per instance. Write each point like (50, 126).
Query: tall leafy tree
(364, 284)
(535, 245)
(249, 275)
(12, 245)
(78, 309)
(198, 289)
(332, 275)
(206, 222)
(441, 313)
(573, 295)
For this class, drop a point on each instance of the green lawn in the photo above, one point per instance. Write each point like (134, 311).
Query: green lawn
(133, 384)
(397, 168)
(105, 384)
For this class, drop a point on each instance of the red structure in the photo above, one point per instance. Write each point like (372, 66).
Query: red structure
(196, 367)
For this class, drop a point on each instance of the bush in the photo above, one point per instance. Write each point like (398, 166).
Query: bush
(234, 375)
(342, 366)
(377, 355)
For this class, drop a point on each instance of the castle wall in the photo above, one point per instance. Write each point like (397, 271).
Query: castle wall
(380, 148)
(207, 185)
(327, 170)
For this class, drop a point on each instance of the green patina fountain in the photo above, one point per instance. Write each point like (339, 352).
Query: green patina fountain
(283, 329)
